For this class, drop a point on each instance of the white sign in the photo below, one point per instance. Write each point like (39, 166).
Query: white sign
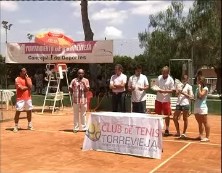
(126, 133)
(80, 52)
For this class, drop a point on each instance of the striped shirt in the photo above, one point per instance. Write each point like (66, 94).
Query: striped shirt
(79, 91)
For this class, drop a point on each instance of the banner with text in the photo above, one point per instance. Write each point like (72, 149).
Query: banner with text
(140, 136)
(80, 52)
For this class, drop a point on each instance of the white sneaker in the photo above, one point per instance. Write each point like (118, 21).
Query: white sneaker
(76, 129)
(30, 128)
(15, 130)
(84, 128)
(204, 140)
(183, 136)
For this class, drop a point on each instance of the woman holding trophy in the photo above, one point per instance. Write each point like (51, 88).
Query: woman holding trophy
(185, 93)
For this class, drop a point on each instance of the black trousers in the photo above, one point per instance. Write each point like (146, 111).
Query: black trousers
(118, 102)
(139, 106)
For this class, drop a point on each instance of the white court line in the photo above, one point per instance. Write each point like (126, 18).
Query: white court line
(180, 141)
(169, 158)
(197, 132)
(197, 142)
(210, 133)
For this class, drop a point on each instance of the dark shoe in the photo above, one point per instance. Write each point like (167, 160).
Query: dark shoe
(167, 133)
(183, 136)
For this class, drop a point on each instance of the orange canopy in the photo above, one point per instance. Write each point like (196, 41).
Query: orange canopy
(53, 39)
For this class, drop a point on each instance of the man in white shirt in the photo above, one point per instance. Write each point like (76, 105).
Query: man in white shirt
(117, 85)
(162, 104)
(138, 84)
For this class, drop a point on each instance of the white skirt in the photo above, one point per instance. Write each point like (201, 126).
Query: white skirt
(203, 111)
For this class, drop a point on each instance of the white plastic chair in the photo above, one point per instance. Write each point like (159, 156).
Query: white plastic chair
(6, 96)
(173, 102)
(150, 102)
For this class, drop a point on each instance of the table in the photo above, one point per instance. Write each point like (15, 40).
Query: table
(6, 95)
(127, 133)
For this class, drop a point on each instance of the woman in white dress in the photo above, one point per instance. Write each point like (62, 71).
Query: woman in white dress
(201, 109)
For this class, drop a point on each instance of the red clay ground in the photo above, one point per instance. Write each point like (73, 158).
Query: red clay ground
(53, 148)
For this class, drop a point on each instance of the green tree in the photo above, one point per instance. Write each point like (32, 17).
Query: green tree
(204, 23)
(196, 36)
(167, 40)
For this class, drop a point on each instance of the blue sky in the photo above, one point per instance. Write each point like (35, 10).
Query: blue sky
(120, 21)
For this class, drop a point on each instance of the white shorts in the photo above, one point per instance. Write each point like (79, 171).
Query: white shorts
(24, 105)
(203, 111)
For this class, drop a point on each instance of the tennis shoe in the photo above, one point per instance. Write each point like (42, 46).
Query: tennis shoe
(204, 140)
(183, 136)
(76, 129)
(84, 128)
(167, 133)
(15, 130)
(30, 128)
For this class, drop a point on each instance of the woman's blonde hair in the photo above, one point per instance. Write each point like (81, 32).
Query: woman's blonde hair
(202, 80)
(165, 68)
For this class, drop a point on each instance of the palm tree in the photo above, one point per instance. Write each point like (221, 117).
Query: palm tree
(85, 21)
(218, 6)
(93, 68)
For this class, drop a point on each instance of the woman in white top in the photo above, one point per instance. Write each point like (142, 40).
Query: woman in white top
(185, 93)
(201, 109)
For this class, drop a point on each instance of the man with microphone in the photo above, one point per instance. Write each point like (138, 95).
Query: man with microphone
(79, 87)
(23, 98)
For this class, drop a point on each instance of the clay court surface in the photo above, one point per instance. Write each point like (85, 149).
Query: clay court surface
(54, 148)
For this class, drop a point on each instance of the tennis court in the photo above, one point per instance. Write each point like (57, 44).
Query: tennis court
(54, 148)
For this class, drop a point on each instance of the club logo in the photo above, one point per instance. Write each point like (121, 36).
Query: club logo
(94, 132)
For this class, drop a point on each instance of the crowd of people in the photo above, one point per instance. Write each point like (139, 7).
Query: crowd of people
(137, 84)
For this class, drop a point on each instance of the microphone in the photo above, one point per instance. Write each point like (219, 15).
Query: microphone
(80, 79)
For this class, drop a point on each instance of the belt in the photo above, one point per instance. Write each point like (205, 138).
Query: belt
(118, 92)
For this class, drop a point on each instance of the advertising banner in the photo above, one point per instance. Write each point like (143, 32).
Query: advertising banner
(80, 52)
(126, 133)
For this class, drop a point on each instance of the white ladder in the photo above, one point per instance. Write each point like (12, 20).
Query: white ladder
(53, 93)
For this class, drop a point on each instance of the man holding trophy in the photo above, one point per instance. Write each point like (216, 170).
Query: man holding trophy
(164, 87)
